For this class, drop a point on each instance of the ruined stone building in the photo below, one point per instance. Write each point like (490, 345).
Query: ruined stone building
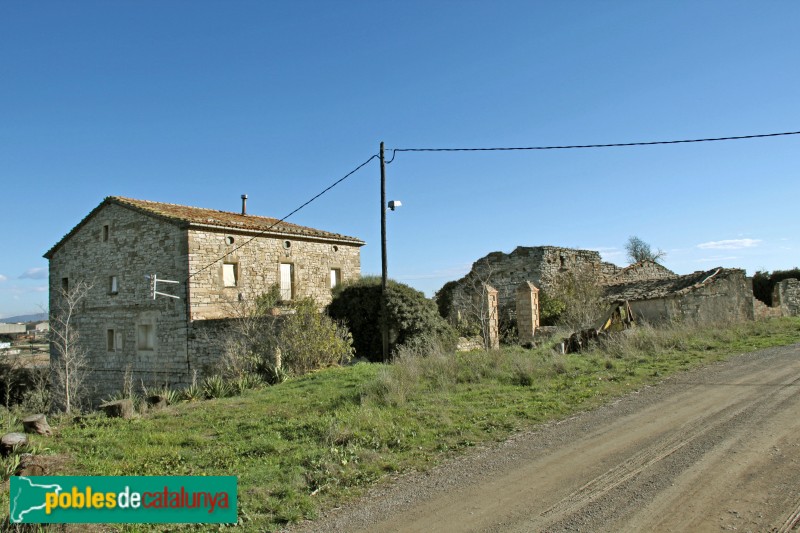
(655, 294)
(542, 266)
(217, 257)
(539, 265)
(703, 296)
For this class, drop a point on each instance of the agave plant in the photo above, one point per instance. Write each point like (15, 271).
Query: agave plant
(216, 387)
(192, 393)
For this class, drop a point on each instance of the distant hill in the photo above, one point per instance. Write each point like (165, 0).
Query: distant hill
(38, 317)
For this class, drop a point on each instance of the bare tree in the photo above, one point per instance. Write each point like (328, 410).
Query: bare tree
(250, 343)
(474, 301)
(638, 250)
(68, 362)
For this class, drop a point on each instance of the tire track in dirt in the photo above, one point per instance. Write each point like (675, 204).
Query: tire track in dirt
(705, 449)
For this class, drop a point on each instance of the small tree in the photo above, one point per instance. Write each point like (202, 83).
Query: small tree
(250, 343)
(309, 340)
(465, 305)
(68, 361)
(581, 294)
(638, 250)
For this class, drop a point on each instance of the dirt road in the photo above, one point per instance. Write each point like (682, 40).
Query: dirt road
(711, 450)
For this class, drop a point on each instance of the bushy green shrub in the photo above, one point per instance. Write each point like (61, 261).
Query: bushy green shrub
(409, 314)
(309, 340)
(550, 309)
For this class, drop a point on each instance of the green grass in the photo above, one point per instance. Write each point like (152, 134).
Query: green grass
(319, 440)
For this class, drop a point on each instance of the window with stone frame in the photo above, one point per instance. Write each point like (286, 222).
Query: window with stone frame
(287, 281)
(113, 340)
(230, 275)
(336, 277)
(145, 337)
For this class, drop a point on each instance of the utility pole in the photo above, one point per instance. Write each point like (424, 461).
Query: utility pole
(384, 270)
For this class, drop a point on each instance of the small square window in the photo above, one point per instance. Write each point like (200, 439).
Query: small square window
(145, 337)
(230, 274)
(113, 286)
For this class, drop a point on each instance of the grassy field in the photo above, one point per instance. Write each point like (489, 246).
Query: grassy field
(319, 440)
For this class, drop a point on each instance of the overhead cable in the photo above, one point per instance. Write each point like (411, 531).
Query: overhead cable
(578, 146)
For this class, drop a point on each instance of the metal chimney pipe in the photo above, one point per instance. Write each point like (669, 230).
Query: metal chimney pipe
(244, 204)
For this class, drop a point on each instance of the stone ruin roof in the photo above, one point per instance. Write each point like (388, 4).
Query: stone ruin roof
(212, 219)
(646, 268)
(662, 288)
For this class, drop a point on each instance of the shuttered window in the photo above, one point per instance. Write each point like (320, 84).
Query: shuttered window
(287, 281)
(229, 274)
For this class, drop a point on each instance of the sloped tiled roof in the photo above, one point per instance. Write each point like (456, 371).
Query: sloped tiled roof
(210, 218)
(660, 288)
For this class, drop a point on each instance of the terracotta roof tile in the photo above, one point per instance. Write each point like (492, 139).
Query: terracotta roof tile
(224, 219)
(201, 217)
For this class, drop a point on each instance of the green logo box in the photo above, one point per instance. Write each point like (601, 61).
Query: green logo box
(123, 499)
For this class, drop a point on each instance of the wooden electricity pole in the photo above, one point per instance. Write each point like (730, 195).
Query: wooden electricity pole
(384, 270)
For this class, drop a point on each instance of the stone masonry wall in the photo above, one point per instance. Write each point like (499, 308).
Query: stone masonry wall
(787, 295)
(724, 299)
(540, 265)
(527, 311)
(258, 268)
(130, 247)
(762, 311)
(643, 270)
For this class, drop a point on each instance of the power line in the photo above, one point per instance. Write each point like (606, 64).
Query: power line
(265, 231)
(577, 146)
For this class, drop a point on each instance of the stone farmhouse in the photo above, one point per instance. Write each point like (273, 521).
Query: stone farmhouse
(217, 257)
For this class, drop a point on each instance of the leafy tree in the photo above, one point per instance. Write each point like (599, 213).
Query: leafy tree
(638, 250)
(410, 316)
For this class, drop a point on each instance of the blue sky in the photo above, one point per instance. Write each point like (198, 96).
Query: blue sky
(196, 102)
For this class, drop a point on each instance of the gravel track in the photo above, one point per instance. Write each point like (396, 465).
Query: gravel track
(713, 449)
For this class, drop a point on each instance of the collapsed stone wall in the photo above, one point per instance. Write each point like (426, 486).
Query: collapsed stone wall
(786, 295)
(727, 297)
(540, 265)
(762, 311)
(641, 271)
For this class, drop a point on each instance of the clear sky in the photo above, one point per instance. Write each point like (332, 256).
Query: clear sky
(196, 102)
